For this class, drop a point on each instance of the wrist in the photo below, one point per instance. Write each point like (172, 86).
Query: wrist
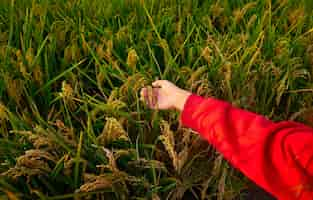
(181, 99)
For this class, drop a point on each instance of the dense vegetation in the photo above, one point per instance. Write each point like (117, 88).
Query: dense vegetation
(72, 125)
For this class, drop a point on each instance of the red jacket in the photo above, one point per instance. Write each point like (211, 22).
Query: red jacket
(276, 156)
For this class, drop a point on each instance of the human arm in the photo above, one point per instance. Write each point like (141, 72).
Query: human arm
(277, 156)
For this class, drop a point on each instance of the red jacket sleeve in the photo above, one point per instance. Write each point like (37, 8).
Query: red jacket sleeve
(276, 156)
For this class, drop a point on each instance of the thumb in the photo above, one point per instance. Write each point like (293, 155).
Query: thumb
(159, 83)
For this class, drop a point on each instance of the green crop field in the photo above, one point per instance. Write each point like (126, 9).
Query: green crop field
(72, 125)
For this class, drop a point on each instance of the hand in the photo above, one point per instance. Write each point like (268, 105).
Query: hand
(164, 95)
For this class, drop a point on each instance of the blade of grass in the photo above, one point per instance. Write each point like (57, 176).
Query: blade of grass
(10, 32)
(154, 59)
(77, 160)
(59, 76)
(39, 52)
(172, 61)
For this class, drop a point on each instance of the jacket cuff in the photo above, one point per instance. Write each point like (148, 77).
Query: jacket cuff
(190, 106)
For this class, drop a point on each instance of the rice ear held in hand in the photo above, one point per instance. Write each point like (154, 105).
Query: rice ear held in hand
(152, 96)
(164, 95)
(147, 96)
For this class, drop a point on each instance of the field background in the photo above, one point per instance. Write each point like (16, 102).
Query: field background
(72, 125)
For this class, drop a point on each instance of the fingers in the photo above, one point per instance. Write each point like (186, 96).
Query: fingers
(150, 98)
(143, 93)
(155, 94)
(151, 95)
